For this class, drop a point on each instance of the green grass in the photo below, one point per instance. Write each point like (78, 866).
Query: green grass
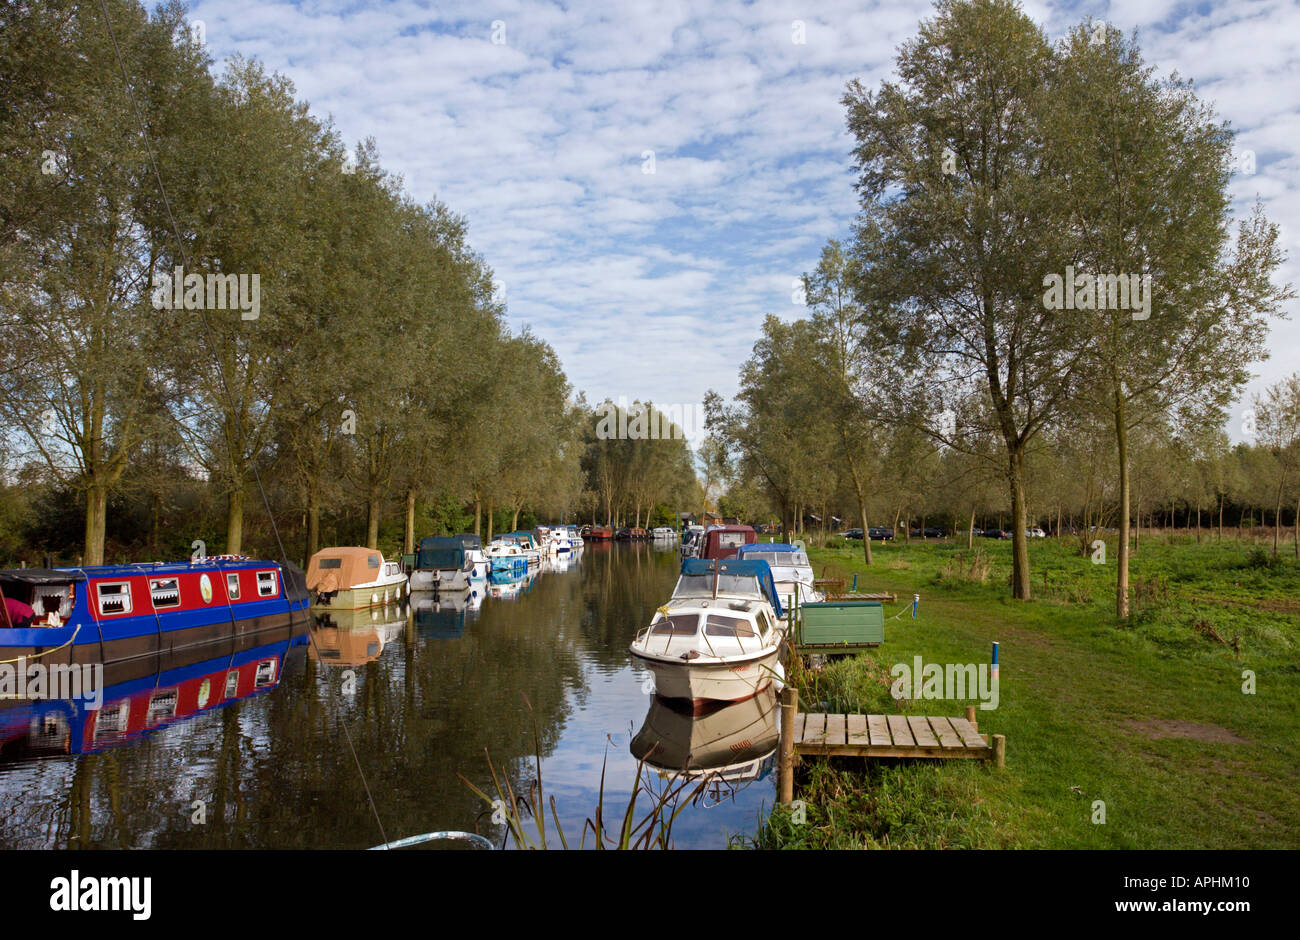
(1078, 694)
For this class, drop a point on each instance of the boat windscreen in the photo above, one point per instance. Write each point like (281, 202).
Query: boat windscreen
(701, 585)
(440, 558)
(795, 559)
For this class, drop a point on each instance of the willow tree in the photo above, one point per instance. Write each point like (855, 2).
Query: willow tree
(249, 210)
(960, 219)
(82, 343)
(1144, 167)
(1278, 423)
(846, 373)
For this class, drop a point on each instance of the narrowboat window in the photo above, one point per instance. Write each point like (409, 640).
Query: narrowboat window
(162, 705)
(232, 683)
(717, 625)
(331, 563)
(165, 592)
(373, 561)
(52, 599)
(232, 585)
(266, 584)
(114, 598)
(372, 649)
(676, 625)
(113, 719)
(265, 673)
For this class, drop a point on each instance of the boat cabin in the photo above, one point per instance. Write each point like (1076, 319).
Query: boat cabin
(723, 541)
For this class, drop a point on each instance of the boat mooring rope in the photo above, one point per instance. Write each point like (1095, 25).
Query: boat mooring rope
(6, 662)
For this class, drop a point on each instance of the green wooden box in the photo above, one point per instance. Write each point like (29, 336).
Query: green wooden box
(842, 624)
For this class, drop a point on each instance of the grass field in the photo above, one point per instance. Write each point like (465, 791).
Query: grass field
(1149, 716)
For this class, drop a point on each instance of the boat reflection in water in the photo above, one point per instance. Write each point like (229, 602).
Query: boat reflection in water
(728, 746)
(147, 703)
(355, 637)
(443, 616)
(509, 586)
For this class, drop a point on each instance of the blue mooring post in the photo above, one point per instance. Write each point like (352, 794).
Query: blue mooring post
(855, 583)
(993, 671)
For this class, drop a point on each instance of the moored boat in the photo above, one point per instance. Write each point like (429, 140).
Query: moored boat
(149, 616)
(505, 555)
(718, 639)
(723, 541)
(348, 578)
(791, 570)
(449, 563)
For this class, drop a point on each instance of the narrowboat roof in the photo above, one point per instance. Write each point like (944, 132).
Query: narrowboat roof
(42, 575)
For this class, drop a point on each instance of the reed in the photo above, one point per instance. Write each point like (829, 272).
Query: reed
(652, 831)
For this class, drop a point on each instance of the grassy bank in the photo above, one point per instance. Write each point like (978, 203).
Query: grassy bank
(1148, 717)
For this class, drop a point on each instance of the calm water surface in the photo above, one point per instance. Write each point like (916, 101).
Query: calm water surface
(428, 694)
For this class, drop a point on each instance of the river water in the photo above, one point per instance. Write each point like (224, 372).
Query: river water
(427, 694)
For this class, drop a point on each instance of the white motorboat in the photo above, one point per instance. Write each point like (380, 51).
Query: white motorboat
(691, 537)
(454, 563)
(663, 533)
(718, 639)
(791, 570)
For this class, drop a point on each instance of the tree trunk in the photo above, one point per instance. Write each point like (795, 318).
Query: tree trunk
(235, 520)
(478, 516)
(372, 518)
(1277, 520)
(489, 520)
(1122, 553)
(408, 534)
(1020, 587)
(313, 523)
(96, 523)
(862, 510)
(970, 530)
(514, 520)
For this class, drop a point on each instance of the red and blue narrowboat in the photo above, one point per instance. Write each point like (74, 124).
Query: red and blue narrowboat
(147, 618)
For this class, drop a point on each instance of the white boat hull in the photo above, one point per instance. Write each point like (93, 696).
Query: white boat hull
(725, 681)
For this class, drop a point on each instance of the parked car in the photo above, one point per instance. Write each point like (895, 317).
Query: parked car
(881, 533)
(1036, 532)
(852, 534)
(995, 534)
(929, 532)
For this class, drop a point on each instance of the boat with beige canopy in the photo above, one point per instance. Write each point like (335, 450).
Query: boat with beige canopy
(349, 578)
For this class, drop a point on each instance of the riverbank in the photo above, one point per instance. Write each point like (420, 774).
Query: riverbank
(1148, 718)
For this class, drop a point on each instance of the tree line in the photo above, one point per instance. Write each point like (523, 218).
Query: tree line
(1045, 307)
(370, 386)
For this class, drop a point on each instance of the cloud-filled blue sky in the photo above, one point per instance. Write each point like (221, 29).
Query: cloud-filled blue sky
(654, 285)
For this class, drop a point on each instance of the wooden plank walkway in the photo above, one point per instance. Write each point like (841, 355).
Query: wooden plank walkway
(822, 735)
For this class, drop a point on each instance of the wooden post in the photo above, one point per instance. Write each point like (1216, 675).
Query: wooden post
(785, 761)
(999, 750)
(970, 717)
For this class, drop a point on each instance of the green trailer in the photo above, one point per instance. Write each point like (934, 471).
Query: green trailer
(840, 626)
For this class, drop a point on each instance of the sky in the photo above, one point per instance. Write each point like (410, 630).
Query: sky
(649, 180)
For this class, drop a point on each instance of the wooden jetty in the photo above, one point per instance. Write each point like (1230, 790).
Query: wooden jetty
(836, 735)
